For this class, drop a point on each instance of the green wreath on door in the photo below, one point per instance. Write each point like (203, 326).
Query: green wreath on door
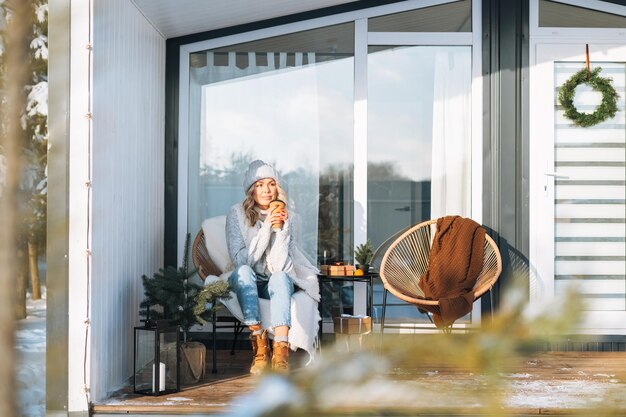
(604, 111)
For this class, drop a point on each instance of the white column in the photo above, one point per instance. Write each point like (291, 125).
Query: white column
(79, 204)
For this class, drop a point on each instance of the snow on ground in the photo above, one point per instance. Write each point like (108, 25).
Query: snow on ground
(562, 394)
(30, 346)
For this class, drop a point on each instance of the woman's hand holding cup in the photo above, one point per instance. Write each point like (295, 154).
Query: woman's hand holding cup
(278, 214)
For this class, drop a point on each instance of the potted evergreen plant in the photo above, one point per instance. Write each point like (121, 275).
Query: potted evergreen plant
(363, 256)
(171, 294)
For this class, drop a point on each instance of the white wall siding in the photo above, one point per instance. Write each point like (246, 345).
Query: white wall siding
(128, 177)
(79, 206)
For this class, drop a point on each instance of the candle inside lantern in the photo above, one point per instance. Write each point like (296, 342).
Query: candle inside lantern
(161, 377)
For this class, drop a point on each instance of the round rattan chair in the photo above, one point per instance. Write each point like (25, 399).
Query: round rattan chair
(201, 259)
(406, 260)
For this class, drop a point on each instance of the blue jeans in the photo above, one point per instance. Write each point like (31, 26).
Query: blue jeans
(278, 288)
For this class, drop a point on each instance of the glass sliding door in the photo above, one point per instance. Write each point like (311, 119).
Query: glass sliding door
(326, 101)
(289, 101)
(419, 137)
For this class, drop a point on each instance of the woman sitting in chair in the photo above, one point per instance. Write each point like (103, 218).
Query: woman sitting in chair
(266, 264)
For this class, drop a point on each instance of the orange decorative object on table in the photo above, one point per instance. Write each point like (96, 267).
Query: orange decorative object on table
(275, 207)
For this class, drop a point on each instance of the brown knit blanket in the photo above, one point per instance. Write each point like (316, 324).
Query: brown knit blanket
(455, 260)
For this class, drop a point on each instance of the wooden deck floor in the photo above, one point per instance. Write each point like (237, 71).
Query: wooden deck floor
(560, 383)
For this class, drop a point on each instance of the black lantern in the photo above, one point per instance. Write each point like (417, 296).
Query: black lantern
(157, 358)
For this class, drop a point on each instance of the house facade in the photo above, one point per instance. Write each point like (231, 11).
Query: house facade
(378, 114)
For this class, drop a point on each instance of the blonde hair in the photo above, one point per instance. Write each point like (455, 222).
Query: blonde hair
(248, 203)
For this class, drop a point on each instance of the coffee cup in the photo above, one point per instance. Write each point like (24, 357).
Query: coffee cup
(275, 207)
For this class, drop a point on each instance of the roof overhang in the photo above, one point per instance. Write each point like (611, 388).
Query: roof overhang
(179, 18)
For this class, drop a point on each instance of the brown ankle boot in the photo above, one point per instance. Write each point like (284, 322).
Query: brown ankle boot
(280, 357)
(260, 352)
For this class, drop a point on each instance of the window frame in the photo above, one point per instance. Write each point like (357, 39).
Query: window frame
(363, 39)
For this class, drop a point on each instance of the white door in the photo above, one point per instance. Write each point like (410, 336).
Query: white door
(578, 188)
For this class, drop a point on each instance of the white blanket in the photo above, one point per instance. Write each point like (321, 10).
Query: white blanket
(304, 310)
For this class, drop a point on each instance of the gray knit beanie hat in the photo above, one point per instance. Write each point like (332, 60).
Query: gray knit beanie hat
(258, 170)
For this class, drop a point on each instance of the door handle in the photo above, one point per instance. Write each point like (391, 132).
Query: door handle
(556, 175)
(405, 208)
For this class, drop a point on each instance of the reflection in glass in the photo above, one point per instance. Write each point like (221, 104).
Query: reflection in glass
(450, 17)
(419, 136)
(553, 14)
(289, 101)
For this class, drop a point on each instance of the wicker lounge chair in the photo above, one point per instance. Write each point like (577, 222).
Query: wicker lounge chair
(406, 260)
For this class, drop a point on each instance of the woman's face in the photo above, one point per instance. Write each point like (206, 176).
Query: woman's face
(265, 191)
